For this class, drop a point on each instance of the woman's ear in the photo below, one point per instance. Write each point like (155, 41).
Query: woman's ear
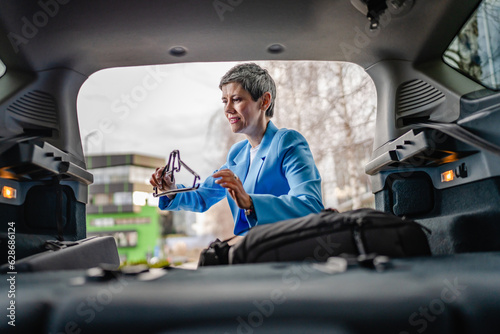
(265, 101)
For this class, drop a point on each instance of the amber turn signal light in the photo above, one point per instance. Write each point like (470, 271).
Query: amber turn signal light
(447, 176)
(9, 192)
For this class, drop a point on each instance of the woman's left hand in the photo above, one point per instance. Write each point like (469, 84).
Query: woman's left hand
(232, 183)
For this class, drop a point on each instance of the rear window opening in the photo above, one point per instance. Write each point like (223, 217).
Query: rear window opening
(151, 111)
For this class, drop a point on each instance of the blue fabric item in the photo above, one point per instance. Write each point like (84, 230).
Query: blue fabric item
(283, 181)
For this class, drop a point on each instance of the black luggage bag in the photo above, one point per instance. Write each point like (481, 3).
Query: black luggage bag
(317, 237)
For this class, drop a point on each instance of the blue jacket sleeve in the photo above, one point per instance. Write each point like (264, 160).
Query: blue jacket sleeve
(199, 200)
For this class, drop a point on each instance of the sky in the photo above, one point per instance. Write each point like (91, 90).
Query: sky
(152, 110)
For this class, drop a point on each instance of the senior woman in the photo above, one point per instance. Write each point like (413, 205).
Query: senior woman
(268, 177)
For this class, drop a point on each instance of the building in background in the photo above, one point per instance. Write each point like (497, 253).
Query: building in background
(121, 204)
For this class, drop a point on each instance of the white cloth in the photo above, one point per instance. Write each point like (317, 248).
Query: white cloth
(253, 152)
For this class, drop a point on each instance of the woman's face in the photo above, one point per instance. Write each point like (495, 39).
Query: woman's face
(244, 115)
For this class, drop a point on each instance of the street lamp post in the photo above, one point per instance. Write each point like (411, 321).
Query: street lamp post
(86, 141)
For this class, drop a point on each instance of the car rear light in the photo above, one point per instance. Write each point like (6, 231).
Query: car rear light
(9, 192)
(447, 176)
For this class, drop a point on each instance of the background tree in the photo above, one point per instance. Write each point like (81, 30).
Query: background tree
(475, 51)
(333, 105)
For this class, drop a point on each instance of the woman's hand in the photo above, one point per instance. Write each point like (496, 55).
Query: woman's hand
(233, 184)
(162, 183)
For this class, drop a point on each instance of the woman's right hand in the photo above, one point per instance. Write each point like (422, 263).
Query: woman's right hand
(162, 183)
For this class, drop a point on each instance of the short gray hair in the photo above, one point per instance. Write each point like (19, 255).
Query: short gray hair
(255, 80)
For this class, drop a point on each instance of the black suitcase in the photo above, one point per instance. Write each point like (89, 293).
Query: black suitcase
(317, 237)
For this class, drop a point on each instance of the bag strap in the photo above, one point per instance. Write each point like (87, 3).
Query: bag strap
(358, 240)
(56, 245)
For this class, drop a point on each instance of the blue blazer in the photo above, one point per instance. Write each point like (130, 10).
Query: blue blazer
(283, 181)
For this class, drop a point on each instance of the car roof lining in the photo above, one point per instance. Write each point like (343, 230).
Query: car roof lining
(87, 37)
